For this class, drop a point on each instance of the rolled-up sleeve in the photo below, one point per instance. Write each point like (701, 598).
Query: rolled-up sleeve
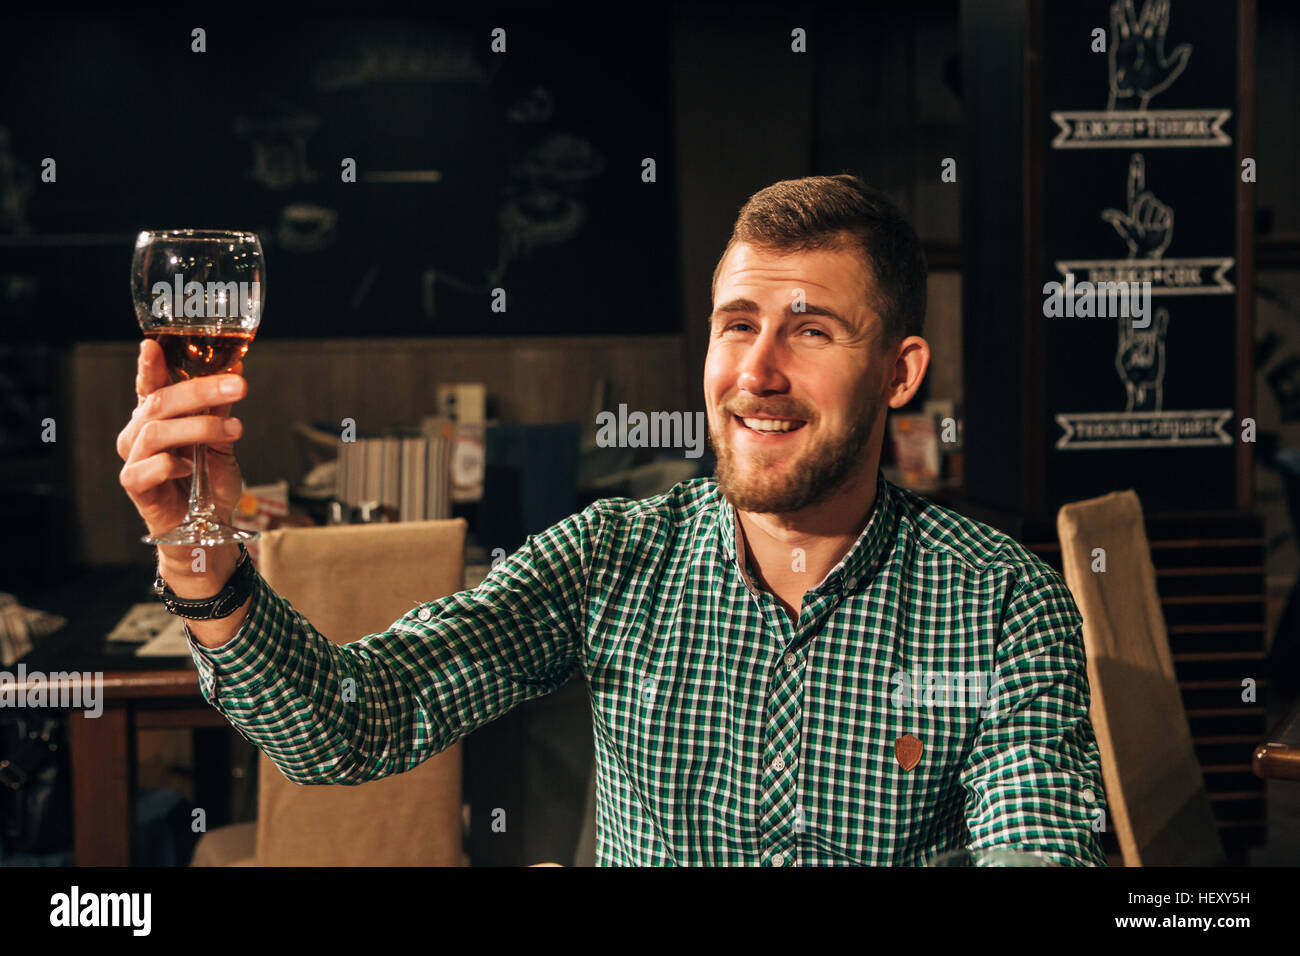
(348, 713)
(1033, 777)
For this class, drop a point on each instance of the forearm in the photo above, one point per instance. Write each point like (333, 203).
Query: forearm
(345, 714)
(271, 678)
(1033, 776)
(348, 713)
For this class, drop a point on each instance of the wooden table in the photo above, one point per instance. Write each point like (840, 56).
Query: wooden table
(138, 694)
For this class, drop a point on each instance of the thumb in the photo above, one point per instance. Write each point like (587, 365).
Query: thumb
(1122, 223)
(224, 410)
(1177, 60)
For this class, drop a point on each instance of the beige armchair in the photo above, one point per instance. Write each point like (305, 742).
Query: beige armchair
(1154, 784)
(350, 581)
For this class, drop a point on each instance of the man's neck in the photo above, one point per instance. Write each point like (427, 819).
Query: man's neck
(793, 552)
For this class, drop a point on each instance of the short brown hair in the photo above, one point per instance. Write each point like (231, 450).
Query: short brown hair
(828, 212)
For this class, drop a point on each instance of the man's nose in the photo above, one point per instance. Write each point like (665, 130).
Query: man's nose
(760, 370)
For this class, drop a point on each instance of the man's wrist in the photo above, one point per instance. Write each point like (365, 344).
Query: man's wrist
(200, 575)
(233, 595)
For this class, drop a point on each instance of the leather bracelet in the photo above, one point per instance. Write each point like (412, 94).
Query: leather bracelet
(223, 604)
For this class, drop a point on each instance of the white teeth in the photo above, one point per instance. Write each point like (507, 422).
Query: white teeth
(770, 425)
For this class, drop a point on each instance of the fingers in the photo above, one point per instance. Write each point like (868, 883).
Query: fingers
(1130, 17)
(142, 478)
(1137, 179)
(1146, 211)
(1160, 17)
(156, 435)
(189, 396)
(1175, 63)
(150, 368)
(224, 409)
(203, 394)
(1125, 226)
(1117, 25)
(1152, 215)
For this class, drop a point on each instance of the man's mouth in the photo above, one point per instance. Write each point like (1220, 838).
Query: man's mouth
(771, 425)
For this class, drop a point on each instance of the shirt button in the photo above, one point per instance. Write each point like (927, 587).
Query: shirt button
(424, 614)
(852, 583)
(778, 764)
(778, 859)
(791, 660)
(1088, 795)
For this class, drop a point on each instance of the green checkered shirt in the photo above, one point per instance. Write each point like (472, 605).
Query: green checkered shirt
(724, 732)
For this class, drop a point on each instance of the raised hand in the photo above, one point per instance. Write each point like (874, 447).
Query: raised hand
(1139, 68)
(157, 443)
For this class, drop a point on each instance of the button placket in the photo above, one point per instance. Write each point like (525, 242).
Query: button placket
(780, 784)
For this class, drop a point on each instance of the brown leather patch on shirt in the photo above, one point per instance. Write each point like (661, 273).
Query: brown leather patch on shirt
(908, 751)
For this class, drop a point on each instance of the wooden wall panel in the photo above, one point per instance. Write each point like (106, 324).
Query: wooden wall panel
(378, 382)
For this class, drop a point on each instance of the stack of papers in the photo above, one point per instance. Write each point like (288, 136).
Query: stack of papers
(159, 633)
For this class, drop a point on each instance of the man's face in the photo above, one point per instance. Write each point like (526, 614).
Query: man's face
(793, 397)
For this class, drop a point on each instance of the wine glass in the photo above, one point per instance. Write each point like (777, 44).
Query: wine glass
(991, 856)
(199, 294)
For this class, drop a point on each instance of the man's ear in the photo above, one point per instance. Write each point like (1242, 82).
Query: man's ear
(911, 358)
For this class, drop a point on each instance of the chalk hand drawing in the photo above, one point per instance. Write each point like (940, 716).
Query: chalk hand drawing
(1148, 226)
(1140, 360)
(536, 107)
(279, 146)
(305, 227)
(1139, 67)
(541, 208)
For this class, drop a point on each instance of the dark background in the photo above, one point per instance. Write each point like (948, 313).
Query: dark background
(540, 168)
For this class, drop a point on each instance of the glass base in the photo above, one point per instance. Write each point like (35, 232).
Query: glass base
(203, 532)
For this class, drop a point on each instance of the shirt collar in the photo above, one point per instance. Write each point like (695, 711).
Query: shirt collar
(858, 565)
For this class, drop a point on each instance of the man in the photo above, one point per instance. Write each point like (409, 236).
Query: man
(795, 663)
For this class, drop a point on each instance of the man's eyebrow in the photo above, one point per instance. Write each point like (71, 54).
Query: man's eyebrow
(737, 305)
(809, 308)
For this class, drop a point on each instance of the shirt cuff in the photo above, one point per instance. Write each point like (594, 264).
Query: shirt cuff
(243, 662)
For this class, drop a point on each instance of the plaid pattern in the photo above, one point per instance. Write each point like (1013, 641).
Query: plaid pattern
(725, 733)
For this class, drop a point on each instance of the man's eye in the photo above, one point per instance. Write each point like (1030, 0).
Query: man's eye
(815, 331)
(734, 326)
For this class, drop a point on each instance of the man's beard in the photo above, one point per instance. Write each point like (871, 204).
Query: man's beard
(809, 480)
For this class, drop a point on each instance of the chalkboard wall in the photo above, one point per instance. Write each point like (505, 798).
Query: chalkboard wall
(475, 169)
(1140, 182)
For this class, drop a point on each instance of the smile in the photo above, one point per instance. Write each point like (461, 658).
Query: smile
(770, 424)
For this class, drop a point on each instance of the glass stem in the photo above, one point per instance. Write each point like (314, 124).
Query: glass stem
(200, 495)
